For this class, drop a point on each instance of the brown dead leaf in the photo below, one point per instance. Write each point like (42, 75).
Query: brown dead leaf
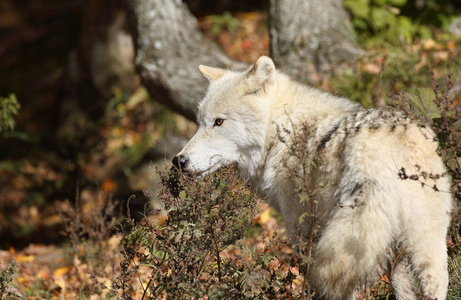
(287, 250)
(43, 274)
(421, 63)
(297, 282)
(371, 68)
(273, 264)
(430, 44)
(440, 56)
(451, 45)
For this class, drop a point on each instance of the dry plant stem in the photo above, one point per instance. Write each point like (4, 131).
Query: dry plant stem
(448, 104)
(310, 241)
(218, 258)
(262, 293)
(204, 260)
(395, 261)
(147, 288)
(315, 222)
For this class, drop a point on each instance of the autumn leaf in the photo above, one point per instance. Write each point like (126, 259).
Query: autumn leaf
(59, 272)
(109, 186)
(24, 258)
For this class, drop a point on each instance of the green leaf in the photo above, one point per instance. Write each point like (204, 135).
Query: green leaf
(424, 32)
(382, 18)
(380, 2)
(426, 98)
(147, 265)
(359, 8)
(9, 107)
(423, 104)
(397, 2)
(360, 24)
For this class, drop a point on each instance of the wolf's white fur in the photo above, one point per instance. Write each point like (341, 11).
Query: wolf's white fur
(372, 214)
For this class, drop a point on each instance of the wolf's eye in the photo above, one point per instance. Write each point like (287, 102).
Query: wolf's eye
(218, 122)
(253, 92)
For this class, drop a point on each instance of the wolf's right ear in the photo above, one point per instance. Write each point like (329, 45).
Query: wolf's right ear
(263, 72)
(212, 73)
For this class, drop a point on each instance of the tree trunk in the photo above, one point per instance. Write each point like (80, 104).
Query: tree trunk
(169, 49)
(310, 36)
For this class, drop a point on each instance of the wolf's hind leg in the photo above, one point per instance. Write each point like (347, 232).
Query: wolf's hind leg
(430, 262)
(402, 283)
(353, 242)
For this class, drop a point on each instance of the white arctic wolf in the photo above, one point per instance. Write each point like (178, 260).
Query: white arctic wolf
(372, 213)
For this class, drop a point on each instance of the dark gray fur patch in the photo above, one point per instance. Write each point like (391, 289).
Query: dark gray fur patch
(374, 126)
(327, 137)
(356, 188)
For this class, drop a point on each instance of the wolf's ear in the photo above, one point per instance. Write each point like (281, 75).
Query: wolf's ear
(263, 72)
(212, 73)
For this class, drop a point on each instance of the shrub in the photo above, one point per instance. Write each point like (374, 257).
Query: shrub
(7, 291)
(398, 20)
(9, 107)
(184, 254)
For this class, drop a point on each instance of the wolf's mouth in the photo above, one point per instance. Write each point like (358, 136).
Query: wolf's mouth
(198, 174)
(211, 169)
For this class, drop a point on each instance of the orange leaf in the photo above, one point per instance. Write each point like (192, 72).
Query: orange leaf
(385, 279)
(456, 102)
(24, 258)
(43, 274)
(60, 271)
(109, 186)
(451, 45)
(263, 217)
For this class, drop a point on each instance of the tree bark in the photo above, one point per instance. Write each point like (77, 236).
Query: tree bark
(169, 49)
(310, 36)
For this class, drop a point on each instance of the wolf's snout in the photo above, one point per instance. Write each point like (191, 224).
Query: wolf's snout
(180, 161)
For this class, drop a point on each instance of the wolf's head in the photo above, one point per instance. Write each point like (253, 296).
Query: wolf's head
(233, 119)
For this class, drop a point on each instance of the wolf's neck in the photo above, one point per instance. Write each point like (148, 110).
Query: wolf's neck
(304, 104)
(294, 108)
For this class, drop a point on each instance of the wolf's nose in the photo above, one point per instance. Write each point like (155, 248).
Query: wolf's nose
(180, 161)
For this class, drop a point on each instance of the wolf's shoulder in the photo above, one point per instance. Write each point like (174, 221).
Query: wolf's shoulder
(374, 118)
(383, 120)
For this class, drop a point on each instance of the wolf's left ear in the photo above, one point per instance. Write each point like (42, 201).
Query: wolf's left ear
(263, 72)
(212, 73)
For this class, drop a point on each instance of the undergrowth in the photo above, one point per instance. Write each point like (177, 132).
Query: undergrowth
(9, 108)
(197, 252)
(399, 21)
(389, 70)
(7, 275)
